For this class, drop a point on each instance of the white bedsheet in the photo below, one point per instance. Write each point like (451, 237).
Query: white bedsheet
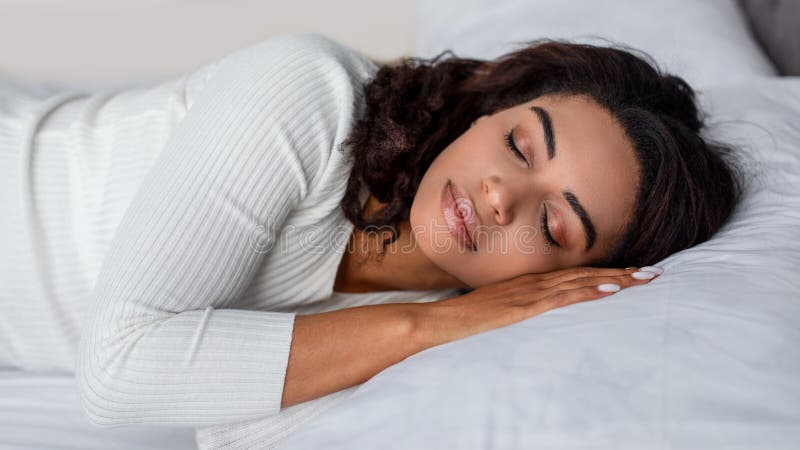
(42, 411)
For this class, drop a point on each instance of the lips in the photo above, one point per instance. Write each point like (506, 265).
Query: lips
(464, 217)
(471, 219)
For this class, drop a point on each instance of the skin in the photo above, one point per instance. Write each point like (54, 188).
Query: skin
(593, 159)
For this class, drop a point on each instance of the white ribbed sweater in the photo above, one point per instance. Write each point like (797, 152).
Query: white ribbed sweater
(167, 236)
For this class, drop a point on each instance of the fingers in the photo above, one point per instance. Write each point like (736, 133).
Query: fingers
(559, 276)
(632, 278)
(586, 271)
(577, 295)
(586, 288)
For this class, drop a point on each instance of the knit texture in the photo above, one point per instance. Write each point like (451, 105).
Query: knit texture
(163, 238)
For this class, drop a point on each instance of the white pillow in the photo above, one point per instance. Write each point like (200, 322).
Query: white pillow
(706, 42)
(704, 357)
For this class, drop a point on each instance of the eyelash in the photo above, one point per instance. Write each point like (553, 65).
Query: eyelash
(546, 229)
(512, 146)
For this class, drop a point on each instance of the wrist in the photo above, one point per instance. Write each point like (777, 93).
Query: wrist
(433, 323)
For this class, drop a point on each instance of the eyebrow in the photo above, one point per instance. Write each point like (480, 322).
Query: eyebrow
(589, 231)
(588, 227)
(547, 125)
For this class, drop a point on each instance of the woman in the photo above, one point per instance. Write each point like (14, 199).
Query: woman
(198, 218)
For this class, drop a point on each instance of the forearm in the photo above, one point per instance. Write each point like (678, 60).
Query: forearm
(334, 350)
(338, 349)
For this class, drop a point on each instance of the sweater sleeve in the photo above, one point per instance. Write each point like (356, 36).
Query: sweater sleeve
(161, 342)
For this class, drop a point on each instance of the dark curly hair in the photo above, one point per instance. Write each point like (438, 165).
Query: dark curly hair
(415, 108)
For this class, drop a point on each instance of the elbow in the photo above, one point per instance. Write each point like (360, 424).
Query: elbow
(102, 396)
(100, 401)
(110, 392)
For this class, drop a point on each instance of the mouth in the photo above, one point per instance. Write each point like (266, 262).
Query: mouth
(459, 215)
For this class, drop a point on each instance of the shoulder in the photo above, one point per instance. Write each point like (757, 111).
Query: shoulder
(318, 45)
(294, 52)
(295, 96)
(303, 91)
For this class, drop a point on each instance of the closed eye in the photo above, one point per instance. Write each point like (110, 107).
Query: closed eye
(512, 146)
(546, 229)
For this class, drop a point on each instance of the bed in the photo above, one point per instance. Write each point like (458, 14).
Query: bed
(704, 357)
(42, 411)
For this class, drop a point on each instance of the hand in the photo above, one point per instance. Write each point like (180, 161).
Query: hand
(509, 301)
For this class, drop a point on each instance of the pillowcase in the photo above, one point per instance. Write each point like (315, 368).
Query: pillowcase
(704, 356)
(705, 42)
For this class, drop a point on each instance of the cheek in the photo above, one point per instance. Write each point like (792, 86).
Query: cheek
(472, 151)
(515, 252)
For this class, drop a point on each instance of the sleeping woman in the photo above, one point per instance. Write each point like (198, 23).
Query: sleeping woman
(281, 225)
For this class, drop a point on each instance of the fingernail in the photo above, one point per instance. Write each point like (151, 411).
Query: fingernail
(629, 268)
(656, 270)
(608, 287)
(643, 275)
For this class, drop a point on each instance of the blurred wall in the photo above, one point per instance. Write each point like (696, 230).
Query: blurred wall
(119, 42)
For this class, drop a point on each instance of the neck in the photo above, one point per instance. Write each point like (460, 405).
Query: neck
(403, 265)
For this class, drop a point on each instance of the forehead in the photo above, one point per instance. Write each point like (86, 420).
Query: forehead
(594, 159)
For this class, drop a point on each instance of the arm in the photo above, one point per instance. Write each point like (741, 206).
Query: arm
(341, 348)
(331, 354)
(161, 342)
(337, 349)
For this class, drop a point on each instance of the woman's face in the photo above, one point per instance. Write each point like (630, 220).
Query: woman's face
(577, 167)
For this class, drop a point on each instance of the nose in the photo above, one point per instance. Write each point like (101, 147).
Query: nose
(498, 197)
